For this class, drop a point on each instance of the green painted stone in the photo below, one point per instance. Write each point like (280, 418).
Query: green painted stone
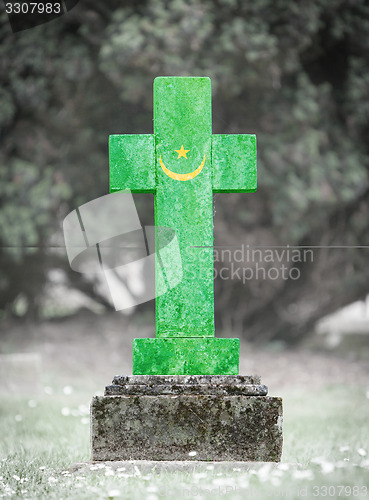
(183, 165)
(186, 356)
(132, 163)
(182, 116)
(234, 163)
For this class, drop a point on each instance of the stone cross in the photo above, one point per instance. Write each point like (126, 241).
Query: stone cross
(182, 163)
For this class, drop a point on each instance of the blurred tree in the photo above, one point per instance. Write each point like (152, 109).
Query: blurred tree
(296, 74)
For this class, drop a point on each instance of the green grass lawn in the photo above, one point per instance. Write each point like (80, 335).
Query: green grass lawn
(327, 433)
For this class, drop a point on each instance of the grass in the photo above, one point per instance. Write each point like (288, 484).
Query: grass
(327, 433)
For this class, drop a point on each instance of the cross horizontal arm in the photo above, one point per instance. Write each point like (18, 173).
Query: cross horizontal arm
(234, 163)
(132, 163)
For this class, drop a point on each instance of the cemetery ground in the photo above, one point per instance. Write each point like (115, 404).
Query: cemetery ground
(44, 420)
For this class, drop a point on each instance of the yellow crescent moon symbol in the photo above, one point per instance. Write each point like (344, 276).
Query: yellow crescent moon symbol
(181, 177)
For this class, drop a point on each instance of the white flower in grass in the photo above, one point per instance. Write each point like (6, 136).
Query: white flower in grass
(275, 481)
(318, 460)
(367, 394)
(52, 480)
(152, 489)
(65, 411)
(264, 472)
(278, 473)
(17, 478)
(43, 467)
(192, 453)
(243, 481)
(113, 493)
(361, 452)
(303, 474)
(32, 403)
(83, 409)
(93, 489)
(198, 475)
(85, 420)
(18, 418)
(223, 481)
(121, 469)
(109, 472)
(341, 464)
(68, 390)
(210, 467)
(327, 467)
(152, 496)
(344, 448)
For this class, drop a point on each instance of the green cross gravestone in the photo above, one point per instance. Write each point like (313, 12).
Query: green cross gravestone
(183, 164)
(153, 414)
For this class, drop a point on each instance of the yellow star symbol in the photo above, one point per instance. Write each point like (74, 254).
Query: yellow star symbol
(182, 152)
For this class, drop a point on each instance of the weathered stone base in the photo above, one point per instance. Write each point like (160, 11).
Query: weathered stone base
(140, 424)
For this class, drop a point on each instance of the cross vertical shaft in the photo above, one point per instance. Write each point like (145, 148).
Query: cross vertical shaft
(182, 117)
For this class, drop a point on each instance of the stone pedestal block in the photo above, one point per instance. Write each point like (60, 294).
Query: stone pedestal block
(220, 417)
